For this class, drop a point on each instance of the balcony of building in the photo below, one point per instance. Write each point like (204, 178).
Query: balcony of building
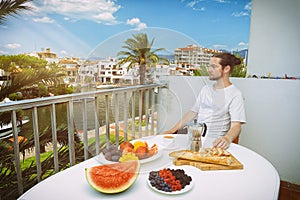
(271, 129)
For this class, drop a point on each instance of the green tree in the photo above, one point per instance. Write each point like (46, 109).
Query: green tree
(239, 70)
(10, 63)
(25, 71)
(12, 8)
(202, 71)
(139, 51)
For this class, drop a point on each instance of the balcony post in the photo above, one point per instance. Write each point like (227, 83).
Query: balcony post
(37, 143)
(70, 113)
(17, 153)
(54, 137)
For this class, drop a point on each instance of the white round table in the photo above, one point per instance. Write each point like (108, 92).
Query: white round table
(258, 180)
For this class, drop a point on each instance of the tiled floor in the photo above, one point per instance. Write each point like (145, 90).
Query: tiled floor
(289, 191)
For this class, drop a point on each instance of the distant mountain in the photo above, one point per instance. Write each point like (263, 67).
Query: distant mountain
(243, 53)
(170, 57)
(224, 50)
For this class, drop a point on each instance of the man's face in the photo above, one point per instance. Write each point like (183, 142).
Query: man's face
(215, 71)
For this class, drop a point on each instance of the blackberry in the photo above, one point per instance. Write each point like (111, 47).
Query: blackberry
(181, 176)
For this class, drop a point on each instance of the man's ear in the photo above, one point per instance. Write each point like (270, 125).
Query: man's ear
(227, 69)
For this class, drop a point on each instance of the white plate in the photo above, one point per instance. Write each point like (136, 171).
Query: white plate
(185, 189)
(102, 159)
(171, 147)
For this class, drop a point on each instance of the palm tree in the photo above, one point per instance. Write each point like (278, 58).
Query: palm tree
(12, 8)
(139, 51)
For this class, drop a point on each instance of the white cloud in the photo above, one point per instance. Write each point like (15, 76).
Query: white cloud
(133, 21)
(70, 19)
(106, 18)
(199, 9)
(141, 26)
(222, 1)
(137, 23)
(242, 45)
(63, 52)
(194, 4)
(12, 46)
(3, 52)
(245, 12)
(240, 14)
(101, 11)
(248, 6)
(191, 4)
(43, 20)
(219, 46)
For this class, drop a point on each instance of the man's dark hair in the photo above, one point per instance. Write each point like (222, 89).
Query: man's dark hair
(228, 59)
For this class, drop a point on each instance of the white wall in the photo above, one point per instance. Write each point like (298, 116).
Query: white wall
(274, 43)
(273, 117)
(272, 106)
(273, 128)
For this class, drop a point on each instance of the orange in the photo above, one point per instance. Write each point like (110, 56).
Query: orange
(123, 145)
(138, 144)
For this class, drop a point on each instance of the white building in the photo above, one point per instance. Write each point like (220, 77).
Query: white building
(47, 55)
(71, 67)
(106, 71)
(132, 76)
(193, 56)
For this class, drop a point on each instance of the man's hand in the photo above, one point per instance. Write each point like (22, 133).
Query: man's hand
(222, 142)
(225, 141)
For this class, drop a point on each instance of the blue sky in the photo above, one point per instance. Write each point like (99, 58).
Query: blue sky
(84, 28)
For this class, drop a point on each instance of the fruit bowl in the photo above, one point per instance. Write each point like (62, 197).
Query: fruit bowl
(135, 150)
(103, 160)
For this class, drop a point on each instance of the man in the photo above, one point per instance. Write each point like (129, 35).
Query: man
(220, 106)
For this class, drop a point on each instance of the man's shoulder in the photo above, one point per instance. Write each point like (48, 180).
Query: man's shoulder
(235, 90)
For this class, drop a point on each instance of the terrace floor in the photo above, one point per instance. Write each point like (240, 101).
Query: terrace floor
(289, 191)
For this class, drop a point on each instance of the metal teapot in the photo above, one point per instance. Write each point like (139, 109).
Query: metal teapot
(195, 131)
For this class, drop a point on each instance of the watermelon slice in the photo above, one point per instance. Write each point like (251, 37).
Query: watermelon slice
(113, 178)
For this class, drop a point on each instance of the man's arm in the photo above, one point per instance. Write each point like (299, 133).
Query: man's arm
(234, 131)
(189, 116)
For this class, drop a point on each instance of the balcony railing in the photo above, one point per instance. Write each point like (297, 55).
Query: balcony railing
(118, 104)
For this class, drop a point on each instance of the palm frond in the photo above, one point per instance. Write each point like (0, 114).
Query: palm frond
(28, 77)
(12, 8)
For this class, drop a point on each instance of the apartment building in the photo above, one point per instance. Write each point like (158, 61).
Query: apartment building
(104, 71)
(70, 66)
(193, 56)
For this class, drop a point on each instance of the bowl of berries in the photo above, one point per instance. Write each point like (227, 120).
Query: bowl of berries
(170, 181)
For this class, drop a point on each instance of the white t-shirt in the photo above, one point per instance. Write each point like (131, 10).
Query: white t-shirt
(217, 108)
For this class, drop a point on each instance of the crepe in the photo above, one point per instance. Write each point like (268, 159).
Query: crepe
(207, 155)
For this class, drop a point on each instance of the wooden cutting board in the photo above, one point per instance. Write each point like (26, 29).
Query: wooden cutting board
(235, 164)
